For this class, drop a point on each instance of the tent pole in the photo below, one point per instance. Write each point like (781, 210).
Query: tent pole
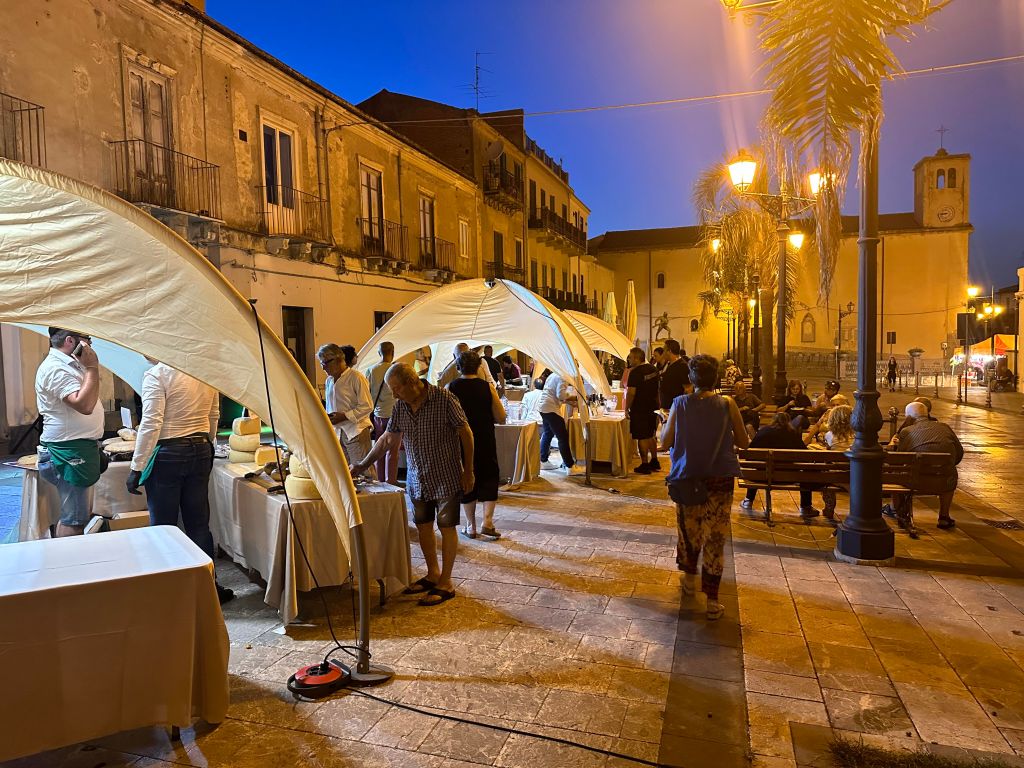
(364, 673)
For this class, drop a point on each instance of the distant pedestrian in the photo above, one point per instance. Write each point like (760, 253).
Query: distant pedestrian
(891, 374)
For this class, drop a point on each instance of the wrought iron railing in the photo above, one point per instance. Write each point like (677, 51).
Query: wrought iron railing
(436, 253)
(290, 213)
(22, 131)
(384, 239)
(149, 174)
(544, 218)
(500, 270)
(503, 184)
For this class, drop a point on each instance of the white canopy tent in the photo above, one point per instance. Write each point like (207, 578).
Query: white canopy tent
(78, 257)
(600, 335)
(497, 312)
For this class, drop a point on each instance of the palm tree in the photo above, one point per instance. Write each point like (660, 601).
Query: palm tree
(825, 62)
(747, 243)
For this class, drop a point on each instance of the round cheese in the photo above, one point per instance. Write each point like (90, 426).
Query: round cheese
(241, 457)
(300, 488)
(266, 454)
(296, 468)
(244, 443)
(246, 425)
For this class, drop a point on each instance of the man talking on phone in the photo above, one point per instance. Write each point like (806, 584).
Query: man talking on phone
(67, 396)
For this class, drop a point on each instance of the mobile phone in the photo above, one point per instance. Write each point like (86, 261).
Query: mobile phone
(78, 349)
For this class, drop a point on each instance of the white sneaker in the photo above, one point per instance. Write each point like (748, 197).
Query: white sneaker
(550, 465)
(574, 470)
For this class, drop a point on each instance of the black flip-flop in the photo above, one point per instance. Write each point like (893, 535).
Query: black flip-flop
(419, 587)
(444, 594)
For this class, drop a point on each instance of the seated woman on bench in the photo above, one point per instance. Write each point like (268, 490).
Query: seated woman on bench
(799, 406)
(820, 427)
(839, 437)
(780, 434)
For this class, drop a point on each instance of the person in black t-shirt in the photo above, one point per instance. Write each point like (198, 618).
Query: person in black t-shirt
(495, 368)
(780, 434)
(675, 376)
(798, 407)
(641, 403)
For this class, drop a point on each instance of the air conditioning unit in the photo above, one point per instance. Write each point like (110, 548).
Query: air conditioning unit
(300, 250)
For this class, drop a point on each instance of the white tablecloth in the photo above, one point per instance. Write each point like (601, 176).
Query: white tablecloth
(518, 451)
(610, 438)
(253, 527)
(107, 633)
(40, 503)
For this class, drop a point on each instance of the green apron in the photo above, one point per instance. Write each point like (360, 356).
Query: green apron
(76, 461)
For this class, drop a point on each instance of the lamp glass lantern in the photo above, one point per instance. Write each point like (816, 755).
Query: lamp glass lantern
(742, 170)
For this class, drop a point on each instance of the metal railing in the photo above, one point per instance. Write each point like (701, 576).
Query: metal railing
(149, 174)
(504, 185)
(22, 131)
(291, 213)
(500, 270)
(384, 239)
(436, 253)
(544, 218)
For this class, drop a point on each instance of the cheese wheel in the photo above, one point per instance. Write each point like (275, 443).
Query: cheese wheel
(265, 454)
(241, 457)
(246, 425)
(244, 443)
(300, 488)
(296, 468)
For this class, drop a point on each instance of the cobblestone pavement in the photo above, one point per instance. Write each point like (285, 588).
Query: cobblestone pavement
(573, 625)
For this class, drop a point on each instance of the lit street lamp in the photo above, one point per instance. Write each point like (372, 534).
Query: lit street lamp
(742, 171)
(839, 338)
(987, 314)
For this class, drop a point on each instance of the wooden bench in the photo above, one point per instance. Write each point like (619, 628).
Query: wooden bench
(768, 469)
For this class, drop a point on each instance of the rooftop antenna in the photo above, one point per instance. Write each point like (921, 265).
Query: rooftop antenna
(942, 131)
(479, 92)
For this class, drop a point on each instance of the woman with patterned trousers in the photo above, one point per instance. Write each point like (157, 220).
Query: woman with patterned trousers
(701, 433)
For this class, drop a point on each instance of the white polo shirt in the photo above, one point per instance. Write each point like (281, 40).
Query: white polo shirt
(173, 405)
(58, 376)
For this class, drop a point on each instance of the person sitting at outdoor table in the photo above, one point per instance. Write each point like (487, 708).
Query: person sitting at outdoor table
(483, 410)
(750, 406)
(641, 403)
(780, 434)
(839, 437)
(798, 407)
(732, 373)
(702, 432)
(818, 428)
(923, 435)
(823, 402)
(439, 449)
(530, 408)
(510, 370)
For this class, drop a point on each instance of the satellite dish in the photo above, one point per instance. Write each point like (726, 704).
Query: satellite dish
(495, 150)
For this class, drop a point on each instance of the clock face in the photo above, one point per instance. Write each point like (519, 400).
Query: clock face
(945, 213)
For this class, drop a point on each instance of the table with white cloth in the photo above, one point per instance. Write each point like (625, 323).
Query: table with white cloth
(40, 502)
(609, 435)
(518, 451)
(254, 529)
(107, 633)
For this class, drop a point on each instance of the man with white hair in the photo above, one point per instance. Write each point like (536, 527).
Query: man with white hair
(451, 373)
(921, 435)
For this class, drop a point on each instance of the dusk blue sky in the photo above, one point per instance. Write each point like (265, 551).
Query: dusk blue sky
(635, 167)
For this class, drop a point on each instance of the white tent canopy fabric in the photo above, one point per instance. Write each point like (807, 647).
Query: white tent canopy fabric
(495, 312)
(78, 257)
(599, 334)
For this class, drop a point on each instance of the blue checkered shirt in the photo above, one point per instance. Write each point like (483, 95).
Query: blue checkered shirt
(433, 450)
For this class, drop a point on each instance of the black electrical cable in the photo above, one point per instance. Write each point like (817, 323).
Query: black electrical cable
(506, 729)
(338, 646)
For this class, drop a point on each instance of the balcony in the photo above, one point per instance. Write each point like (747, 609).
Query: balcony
(384, 240)
(437, 254)
(292, 214)
(558, 230)
(149, 175)
(501, 271)
(502, 189)
(22, 131)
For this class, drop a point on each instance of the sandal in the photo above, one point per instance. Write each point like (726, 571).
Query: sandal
(419, 587)
(945, 523)
(715, 610)
(436, 597)
(467, 533)
(490, 531)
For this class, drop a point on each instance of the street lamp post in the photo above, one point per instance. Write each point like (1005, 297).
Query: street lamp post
(781, 206)
(989, 312)
(839, 338)
(755, 304)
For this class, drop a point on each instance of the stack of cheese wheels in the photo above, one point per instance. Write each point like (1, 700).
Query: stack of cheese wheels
(244, 440)
(298, 484)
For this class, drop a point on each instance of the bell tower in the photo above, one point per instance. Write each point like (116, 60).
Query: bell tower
(942, 190)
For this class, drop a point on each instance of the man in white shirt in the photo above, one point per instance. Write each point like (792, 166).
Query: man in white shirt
(451, 373)
(347, 398)
(67, 397)
(555, 393)
(174, 454)
(383, 405)
(530, 409)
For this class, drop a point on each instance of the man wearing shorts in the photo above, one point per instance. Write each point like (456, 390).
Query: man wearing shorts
(641, 403)
(439, 452)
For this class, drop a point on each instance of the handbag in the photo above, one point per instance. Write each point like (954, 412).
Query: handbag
(693, 491)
